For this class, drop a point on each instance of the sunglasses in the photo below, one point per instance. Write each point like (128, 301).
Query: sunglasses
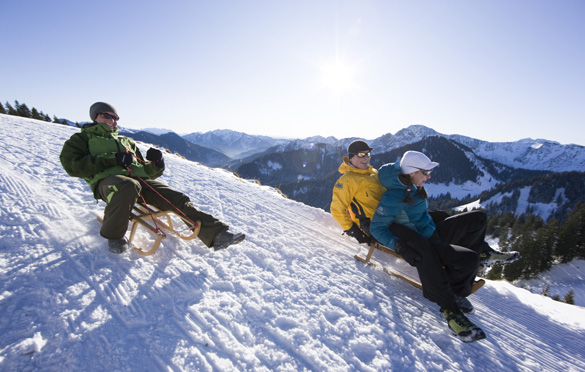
(426, 172)
(109, 116)
(363, 154)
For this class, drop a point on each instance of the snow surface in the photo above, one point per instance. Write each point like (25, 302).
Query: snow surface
(291, 297)
(559, 281)
(469, 207)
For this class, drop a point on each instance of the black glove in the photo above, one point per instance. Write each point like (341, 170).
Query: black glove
(124, 159)
(410, 244)
(408, 253)
(155, 156)
(358, 234)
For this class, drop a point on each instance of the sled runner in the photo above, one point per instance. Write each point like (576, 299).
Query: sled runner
(408, 275)
(153, 219)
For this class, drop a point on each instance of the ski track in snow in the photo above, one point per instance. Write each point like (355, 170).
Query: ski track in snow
(290, 297)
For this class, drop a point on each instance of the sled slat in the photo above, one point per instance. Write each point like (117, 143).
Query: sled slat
(143, 215)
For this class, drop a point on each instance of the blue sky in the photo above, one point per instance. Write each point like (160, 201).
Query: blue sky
(498, 70)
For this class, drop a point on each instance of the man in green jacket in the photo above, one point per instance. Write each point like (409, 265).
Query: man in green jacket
(118, 174)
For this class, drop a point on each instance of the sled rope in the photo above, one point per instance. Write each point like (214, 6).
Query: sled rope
(156, 229)
(193, 223)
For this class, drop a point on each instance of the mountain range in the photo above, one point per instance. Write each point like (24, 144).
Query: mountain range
(529, 175)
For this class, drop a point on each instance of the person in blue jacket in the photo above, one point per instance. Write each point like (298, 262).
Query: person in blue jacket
(402, 222)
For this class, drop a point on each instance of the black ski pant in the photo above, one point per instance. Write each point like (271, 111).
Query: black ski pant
(466, 229)
(121, 193)
(445, 271)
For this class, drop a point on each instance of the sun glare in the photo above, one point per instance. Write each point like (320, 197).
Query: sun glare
(338, 77)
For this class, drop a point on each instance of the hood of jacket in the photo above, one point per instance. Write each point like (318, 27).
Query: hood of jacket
(388, 176)
(100, 129)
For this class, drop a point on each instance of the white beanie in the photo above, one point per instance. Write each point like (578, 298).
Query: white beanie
(413, 161)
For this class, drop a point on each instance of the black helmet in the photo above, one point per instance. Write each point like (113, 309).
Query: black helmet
(357, 146)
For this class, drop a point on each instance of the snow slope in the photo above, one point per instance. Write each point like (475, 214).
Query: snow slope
(291, 297)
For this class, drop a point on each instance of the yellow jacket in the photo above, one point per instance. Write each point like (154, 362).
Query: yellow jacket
(355, 196)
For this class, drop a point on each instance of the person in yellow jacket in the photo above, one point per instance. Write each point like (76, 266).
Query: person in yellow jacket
(357, 192)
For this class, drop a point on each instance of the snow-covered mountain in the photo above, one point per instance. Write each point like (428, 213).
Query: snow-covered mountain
(291, 297)
(177, 144)
(157, 131)
(403, 137)
(234, 144)
(528, 153)
(307, 174)
(305, 169)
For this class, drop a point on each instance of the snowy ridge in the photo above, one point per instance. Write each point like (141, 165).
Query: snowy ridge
(403, 137)
(291, 297)
(529, 154)
(233, 144)
(485, 181)
(536, 154)
(539, 154)
(157, 131)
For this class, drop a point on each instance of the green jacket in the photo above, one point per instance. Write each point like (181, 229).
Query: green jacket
(91, 155)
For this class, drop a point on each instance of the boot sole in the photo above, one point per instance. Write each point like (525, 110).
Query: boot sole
(237, 239)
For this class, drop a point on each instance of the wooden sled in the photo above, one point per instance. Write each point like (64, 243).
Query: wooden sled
(151, 218)
(410, 279)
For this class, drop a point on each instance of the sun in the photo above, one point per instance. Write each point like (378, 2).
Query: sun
(338, 77)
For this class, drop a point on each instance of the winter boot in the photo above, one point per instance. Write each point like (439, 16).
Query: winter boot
(495, 257)
(118, 245)
(462, 327)
(465, 305)
(225, 238)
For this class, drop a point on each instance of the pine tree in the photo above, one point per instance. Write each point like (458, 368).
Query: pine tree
(518, 269)
(22, 110)
(495, 273)
(570, 245)
(580, 216)
(529, 248)
(10, 110)
(492, 224)
(546, 238)
(2, 110)
(570, 297)
(499, 226)
(35, 114)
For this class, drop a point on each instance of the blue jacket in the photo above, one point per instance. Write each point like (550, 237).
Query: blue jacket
(392, 208)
